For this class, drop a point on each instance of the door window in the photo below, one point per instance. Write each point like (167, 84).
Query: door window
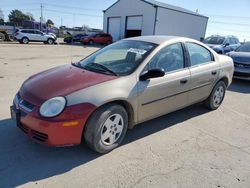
(198, 54)
(168, 59)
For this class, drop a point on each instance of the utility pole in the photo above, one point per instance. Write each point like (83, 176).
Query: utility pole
(41, 18)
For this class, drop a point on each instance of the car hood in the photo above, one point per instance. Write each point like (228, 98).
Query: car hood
(240, 57)
(214, 45)
(59, 81)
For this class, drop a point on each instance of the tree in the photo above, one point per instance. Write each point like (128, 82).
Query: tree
(49, 22)
(1, 16)
(17, 17)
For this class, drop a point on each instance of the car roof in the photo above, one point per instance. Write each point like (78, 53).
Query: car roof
(157, 39)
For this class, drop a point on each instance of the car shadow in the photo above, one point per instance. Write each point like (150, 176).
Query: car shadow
(240, 86)
(83, 45)
(23, 161)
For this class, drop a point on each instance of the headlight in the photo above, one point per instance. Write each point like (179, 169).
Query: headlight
(53, 107)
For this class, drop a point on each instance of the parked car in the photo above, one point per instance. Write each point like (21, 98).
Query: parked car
(75, 38)
(25, 36)
(241, 58)
(101, 38)
(123, 84)
(222, 44)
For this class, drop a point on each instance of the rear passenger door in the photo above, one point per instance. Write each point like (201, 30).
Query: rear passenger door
(30, 34)
(204, 72)
(39, 36)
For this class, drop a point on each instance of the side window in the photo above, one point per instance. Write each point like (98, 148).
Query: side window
(169, 58)
(38, 32)
(30, 31)
(227, 41)
(232, 41)
(198, 54)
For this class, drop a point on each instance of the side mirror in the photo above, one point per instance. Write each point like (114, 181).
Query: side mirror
(153, 73)
(227, 44)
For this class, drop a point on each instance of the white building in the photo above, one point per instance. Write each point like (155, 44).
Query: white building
(128, 18)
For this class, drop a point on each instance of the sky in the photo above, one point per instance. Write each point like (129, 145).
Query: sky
(226, 17)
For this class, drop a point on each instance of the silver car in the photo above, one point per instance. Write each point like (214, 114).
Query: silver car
(117, 87)
(24, 36)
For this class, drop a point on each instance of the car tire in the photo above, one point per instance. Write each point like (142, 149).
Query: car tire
(91, 42)
(106, 128)
(217, 96)
(25, 40)
(50, 41)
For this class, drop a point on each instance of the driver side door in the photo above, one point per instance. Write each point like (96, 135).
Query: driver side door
(158, 96)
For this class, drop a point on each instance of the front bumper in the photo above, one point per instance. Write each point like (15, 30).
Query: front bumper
(65, 129)
(242, 73)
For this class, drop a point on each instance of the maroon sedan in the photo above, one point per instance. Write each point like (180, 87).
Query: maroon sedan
(101, 38)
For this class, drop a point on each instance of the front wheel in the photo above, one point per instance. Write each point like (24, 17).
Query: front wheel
(91, 42)
(106, 128)
(217, 96)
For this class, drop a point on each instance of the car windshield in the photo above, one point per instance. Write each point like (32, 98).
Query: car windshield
(120, 58)
(214, 40)
(244, 48)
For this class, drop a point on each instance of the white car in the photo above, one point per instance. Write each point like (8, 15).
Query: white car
(24, 36)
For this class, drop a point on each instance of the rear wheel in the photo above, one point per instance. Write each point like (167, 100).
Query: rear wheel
(91, 42)
(2, 37)
(25, 40)
(217, 96)
(50, 41)
(106, 128)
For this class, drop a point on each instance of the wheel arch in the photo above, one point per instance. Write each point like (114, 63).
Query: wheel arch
(225, 80)
(125, 104)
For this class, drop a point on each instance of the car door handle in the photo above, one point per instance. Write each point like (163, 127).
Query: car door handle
(183, 81)
(214, 72)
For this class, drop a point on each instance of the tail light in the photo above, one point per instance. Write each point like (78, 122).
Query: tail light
(16, 34)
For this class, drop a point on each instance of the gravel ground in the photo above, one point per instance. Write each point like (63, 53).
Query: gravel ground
(192, 147)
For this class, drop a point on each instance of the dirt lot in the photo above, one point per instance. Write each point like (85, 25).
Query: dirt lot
(189, 148)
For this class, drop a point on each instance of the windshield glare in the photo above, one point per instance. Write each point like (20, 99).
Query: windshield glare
(121, 58)
(244, 48)
(214, 40)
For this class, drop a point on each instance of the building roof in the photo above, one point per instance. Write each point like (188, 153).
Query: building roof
(157, 39)
(166, 6)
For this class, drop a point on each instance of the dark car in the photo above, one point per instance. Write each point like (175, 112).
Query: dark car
(241, 58)
(75, 38)
(222, 44)
(101, 38)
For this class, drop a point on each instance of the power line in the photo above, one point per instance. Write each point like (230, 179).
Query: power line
(230, 23)
(69, 7)
(72, 13)
(227, 16)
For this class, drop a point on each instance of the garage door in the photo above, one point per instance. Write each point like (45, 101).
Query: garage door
(114, 28)
(134, 26)
(134, 22)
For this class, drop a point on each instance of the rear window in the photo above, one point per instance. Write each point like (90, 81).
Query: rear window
(214, 40)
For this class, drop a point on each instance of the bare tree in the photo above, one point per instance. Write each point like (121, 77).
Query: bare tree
(1, 16)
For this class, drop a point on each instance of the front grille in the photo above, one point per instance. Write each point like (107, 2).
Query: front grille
(41, 137)
(25, 105)
(243, 65)
(241, 74)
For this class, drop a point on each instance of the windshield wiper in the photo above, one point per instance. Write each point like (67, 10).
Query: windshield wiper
(77, 64)
(104, 68)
